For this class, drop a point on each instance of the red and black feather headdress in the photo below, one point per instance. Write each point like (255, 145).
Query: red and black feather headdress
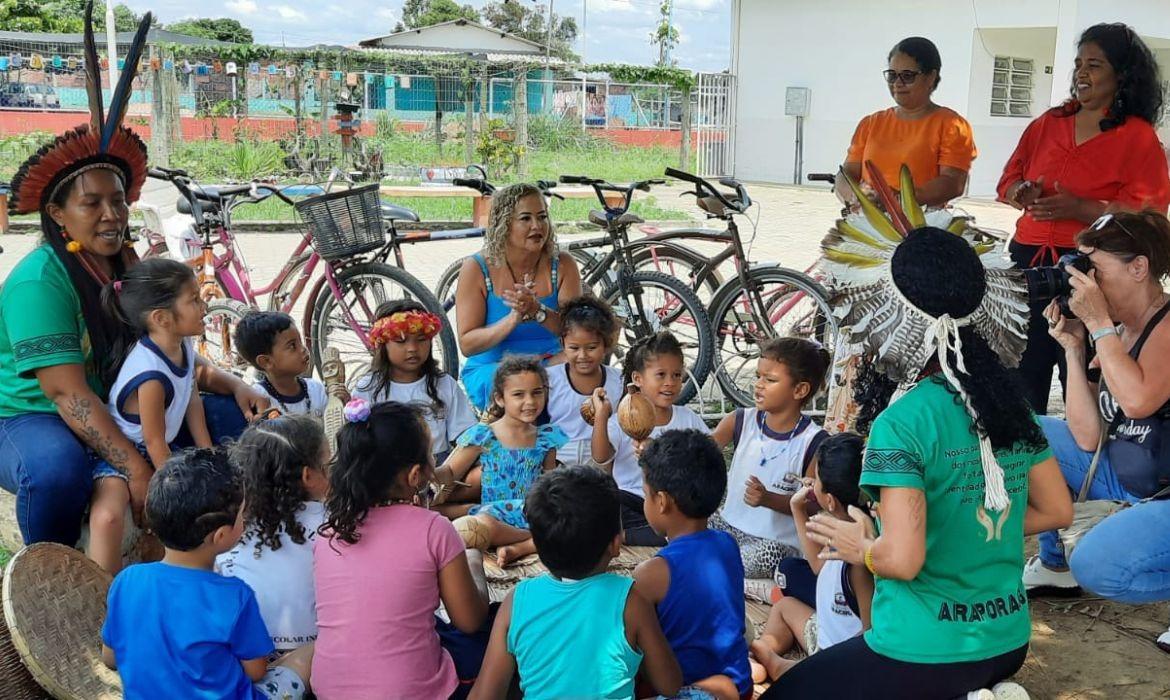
(103, 143)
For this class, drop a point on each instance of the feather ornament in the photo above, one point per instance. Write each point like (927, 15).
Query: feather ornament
(93, 74)
(120, 98)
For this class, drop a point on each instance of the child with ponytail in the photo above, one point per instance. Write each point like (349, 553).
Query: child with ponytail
(382, 565)
(654, 366)
(158, 304)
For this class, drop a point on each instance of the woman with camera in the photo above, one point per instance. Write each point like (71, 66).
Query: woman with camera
(1119, 405)
(1096, 152)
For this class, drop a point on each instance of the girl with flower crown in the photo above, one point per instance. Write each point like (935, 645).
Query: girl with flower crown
(56, 343)
(404, 369)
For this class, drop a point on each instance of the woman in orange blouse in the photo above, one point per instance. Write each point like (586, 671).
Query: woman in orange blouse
(1096, 152)
(934, 141)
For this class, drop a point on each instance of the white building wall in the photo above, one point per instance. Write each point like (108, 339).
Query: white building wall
(838, 50)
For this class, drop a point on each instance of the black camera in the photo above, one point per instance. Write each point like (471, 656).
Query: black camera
(1048, 283)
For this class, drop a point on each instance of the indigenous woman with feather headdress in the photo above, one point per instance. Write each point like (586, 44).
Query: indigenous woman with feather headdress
(956, 462)
(55, 341)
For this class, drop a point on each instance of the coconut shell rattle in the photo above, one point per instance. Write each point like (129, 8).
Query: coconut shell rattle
(635, 414)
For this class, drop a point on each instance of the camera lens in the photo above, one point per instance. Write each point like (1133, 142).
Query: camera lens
(1045, 283)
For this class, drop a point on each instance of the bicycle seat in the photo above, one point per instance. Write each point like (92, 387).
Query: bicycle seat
(206, 205)
(393, 212)
(715, 208)
(215, 193)
(597, 216)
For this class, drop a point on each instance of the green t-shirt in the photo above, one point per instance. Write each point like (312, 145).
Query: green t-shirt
(40, 326)
(967, 603)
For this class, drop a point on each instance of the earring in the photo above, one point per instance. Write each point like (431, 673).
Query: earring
(72, 246)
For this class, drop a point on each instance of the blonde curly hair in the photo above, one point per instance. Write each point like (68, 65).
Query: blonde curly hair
(504, 203)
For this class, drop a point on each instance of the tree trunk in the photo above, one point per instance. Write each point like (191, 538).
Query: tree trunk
(684, 150)
(468, 117)
(520, 116)
(160, 132)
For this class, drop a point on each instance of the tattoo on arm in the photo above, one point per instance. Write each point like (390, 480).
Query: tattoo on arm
(918, 511)
(79, 410)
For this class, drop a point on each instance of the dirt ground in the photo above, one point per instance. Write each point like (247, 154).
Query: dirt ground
(1089, 648)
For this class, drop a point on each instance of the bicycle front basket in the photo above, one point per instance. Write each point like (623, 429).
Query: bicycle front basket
(344, 223)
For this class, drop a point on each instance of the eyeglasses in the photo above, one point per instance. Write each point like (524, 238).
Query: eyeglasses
(906, 76)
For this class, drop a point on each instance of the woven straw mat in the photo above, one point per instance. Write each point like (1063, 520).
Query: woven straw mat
(54, 604)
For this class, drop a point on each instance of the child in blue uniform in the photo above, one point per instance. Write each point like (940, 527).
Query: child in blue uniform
(696, 581)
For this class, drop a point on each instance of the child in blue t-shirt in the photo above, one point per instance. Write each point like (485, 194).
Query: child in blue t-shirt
(696, 581)
(577, 631)
(175, 629)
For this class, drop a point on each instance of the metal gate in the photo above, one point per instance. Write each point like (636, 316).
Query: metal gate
(713, 123)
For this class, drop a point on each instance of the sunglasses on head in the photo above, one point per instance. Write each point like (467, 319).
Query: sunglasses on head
(906, 76)
(1107, 219)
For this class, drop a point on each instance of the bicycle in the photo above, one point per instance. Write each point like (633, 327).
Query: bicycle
(760, 302)
(345, 233)
(673, 306)
(669, 258)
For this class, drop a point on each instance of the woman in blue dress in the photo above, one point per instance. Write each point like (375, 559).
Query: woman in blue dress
(508, 297)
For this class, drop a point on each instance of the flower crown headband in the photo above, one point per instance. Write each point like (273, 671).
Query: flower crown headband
(399, 325)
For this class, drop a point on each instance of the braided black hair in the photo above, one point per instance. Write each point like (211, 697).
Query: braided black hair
(646, 347)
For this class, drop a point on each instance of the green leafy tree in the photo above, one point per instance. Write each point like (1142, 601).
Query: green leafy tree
(529, 23)
(69, 16)
(222, 29)
(26, 16)
(665, 36)
(425, 13)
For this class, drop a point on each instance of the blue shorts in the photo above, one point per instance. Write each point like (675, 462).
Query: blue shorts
(103, 469)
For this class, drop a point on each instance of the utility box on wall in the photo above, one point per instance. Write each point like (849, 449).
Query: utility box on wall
(796, 101)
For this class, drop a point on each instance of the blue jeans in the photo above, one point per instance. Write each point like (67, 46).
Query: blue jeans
(1126, 557)
(1074, 464)
(51, 471)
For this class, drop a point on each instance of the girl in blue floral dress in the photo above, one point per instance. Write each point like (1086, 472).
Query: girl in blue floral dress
(512, 451)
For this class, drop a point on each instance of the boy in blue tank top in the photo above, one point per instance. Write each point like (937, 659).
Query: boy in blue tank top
(577, 631)
(696, 581)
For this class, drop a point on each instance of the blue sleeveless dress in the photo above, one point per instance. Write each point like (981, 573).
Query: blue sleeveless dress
(526, 339)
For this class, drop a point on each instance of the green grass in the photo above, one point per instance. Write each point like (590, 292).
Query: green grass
(5, 555)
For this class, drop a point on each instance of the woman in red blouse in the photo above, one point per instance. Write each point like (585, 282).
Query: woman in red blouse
(1097, 152)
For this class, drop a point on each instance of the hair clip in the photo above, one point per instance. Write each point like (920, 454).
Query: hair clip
(356, 411)
(117, 286)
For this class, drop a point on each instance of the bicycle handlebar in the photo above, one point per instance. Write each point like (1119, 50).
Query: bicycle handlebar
(600, 187)
(742, 201)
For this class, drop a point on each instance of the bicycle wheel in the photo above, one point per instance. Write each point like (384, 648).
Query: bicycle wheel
(680, 263)
(793, 304)
(219, 328)
(666, 304)
(363, 287)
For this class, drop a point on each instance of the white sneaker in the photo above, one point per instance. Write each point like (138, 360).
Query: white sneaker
(763, 590)
(1041, 578)
(1009, 691)
(1163, 641)
(981, 694)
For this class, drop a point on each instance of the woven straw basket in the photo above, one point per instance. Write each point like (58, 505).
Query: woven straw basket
(15, 681)
(54, 604)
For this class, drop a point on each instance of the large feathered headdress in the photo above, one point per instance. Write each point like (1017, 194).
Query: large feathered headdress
(103, 143)
(874, 313)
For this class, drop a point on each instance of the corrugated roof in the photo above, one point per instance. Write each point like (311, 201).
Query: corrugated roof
(537, 48)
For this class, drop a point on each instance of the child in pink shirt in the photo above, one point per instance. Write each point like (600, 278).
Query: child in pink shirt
(384, 564)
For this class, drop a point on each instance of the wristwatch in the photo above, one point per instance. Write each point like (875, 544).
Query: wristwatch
(541, 314)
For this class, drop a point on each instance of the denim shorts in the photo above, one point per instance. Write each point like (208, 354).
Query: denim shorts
(281, 683)
(103, 469)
